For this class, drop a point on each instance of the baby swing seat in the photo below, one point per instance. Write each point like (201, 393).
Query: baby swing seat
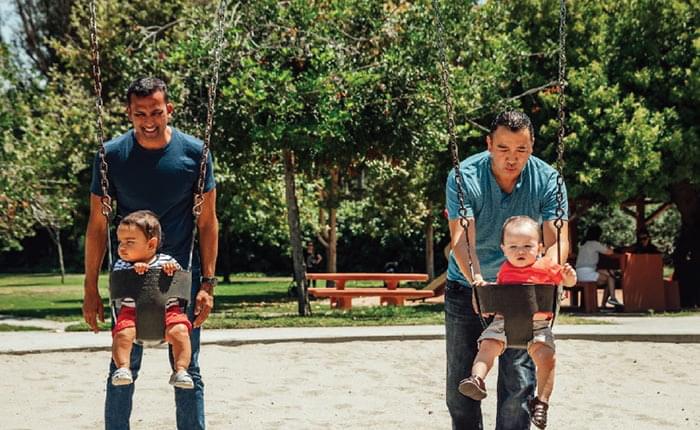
(150, 291)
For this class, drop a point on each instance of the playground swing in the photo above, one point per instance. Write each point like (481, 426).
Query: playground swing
(151, 290)
(516, 302)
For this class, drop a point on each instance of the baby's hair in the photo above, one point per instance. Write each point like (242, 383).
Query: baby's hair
(521, 220)
(146, 221)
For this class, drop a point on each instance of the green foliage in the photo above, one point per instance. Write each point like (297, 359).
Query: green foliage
(354, 86)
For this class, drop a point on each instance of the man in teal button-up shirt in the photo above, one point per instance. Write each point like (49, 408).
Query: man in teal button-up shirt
(504, 181)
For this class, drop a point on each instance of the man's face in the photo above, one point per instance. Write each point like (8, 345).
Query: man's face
(133, 245)
(149, 116)
(510, 151)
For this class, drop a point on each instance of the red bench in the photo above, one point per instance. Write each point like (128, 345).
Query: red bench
(341, 297)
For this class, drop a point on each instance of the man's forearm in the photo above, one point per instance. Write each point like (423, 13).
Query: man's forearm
(95, 247)
(208, 247)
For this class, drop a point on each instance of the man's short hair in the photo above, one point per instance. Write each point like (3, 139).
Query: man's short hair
(146, 221)
(145, 86)
(514, 120)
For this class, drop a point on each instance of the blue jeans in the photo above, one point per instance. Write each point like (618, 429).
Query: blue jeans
(189, 404)
(516, 371)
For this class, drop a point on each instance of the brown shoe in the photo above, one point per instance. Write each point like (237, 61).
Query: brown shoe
(538, 413)
(473, 387)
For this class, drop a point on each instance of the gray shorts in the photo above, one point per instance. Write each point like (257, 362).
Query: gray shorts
(541, 333)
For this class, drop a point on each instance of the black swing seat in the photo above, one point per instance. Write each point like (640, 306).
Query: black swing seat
(518, 303)
(150, 291)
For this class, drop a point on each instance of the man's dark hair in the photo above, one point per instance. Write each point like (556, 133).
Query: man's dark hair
(513, 120)
(146, 221)
(146, 86)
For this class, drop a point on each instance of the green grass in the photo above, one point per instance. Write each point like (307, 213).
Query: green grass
(12, 327)
(250, 301)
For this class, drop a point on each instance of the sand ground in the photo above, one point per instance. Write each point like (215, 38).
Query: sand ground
(355, 385)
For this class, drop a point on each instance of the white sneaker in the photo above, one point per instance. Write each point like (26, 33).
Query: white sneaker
(181, 379)
(122, 376)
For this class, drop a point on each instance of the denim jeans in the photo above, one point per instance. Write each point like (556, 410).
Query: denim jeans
(516, 371)
(189, 404)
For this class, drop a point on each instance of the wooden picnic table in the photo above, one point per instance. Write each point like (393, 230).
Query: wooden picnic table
(391, 294)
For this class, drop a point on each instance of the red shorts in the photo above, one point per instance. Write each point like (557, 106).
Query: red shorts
(127, 318)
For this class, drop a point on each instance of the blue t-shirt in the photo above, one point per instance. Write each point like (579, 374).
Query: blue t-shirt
(534, 195)
(161, 180)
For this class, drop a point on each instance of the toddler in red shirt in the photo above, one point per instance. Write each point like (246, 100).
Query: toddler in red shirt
(521, 242)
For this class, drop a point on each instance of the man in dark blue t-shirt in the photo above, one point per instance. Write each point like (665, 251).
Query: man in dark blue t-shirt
(156, 167)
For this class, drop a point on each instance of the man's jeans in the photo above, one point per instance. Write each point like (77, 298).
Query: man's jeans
(516, 371)
(189, 404)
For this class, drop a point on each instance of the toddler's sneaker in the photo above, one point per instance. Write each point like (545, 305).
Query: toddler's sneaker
(473, 387)
(181, 379)
(122, 376)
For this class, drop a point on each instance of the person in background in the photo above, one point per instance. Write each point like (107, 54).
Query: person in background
(587, 265)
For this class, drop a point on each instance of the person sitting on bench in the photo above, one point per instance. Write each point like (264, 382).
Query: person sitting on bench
(521, 242)
(139, 236)
(587, 265)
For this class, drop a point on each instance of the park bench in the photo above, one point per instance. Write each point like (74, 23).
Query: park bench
(341, 297)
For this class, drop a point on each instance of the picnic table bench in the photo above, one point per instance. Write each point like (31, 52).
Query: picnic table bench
(341, 297)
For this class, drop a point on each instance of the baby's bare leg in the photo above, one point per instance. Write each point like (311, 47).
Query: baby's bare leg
(179, 337)
(545, 362)
(489, 349)
(121, 347)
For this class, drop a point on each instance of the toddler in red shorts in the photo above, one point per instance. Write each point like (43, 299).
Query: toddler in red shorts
(139, 236)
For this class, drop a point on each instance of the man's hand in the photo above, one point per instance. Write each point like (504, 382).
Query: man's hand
(477, 281)
(93, 309)
(141, 268)
(203, 304)
(169, 268)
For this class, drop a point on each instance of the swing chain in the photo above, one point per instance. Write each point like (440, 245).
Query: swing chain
(106, 200)
(199, 195)
(559, 222)
(451, 127)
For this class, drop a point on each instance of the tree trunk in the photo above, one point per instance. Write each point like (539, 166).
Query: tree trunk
(686, 255)
(295, 233)
(61, 263)
(55, 235)
(429, 244)
(333, 223)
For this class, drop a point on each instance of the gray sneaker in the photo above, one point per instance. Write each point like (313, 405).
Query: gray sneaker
(181, 379)
(122, 376)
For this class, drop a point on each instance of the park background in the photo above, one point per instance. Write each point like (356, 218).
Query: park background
(344, 98)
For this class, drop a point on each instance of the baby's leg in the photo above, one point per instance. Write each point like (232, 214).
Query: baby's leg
(121, 346)
(179, 337)
(545, 361)
(489, 349)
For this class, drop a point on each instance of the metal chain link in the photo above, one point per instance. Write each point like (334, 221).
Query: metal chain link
(211, 92)
(105, 200)
(559, 222)
(213, 84)
(451, 131)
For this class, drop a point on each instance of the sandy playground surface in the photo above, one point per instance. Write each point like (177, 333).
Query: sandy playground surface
(355, 385)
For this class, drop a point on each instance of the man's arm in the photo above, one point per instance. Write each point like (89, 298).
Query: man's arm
(459, 247)
(208, 227)
(95, 246)
(550, 241)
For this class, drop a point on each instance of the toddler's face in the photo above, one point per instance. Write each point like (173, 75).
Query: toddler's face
(133, 245)
(521, 246)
